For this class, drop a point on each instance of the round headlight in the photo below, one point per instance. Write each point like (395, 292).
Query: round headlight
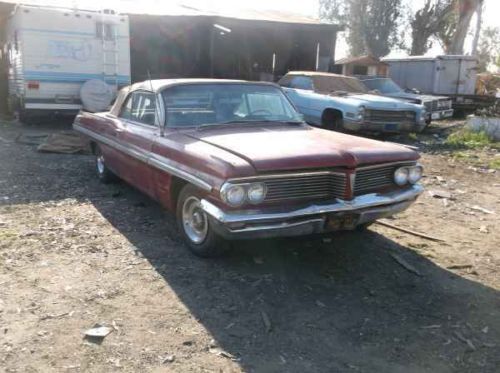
(414, 174)
(401, 176)
(361, 113)
(234, 195)
(256, 192)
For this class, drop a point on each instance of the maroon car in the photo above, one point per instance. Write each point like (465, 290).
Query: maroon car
(234, 160)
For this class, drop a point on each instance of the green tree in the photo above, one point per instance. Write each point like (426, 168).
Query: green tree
(372, 25)
(488, 51)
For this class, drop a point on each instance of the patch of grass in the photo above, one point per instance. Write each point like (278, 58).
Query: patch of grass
(4, 234)
(465, 138)
(494, 164)
(413, 136)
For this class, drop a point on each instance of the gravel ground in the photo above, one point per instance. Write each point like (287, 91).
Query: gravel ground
(74, 253)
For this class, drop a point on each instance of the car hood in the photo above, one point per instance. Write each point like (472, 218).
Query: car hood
(415, 96)
(275, 147)
(375, 101)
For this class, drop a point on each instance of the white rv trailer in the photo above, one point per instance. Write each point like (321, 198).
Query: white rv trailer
(53, 52)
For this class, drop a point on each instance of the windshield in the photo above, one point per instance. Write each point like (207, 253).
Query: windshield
(338, 83)
(206, 104)
(382, 85)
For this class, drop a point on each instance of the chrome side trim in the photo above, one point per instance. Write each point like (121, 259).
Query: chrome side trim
(358, 203)
(149, 158)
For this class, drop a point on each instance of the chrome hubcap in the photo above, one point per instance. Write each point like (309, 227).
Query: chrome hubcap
(100, 164)
(194, 220)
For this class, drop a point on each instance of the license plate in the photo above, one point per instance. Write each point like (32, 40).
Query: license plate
(347, 221)
(391, 127)
(435, 116)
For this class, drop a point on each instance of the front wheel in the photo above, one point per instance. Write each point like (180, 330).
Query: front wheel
(104, 174)
(195, 227)
(332, 120)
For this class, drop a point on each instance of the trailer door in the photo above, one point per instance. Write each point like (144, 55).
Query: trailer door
(456, 76)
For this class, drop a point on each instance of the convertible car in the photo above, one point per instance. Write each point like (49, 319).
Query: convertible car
(234, 160)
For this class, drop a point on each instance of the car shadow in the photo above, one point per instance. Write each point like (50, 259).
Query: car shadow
(314, 304)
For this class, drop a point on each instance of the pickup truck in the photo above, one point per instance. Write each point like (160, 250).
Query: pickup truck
(234, 160)
(339, 102)
(437, 107)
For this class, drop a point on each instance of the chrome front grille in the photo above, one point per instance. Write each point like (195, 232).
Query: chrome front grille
(371, 179)
(442, 104)
(390, 116)
(327, 185)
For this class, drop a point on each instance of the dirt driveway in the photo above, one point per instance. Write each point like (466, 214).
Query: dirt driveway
(74, 253)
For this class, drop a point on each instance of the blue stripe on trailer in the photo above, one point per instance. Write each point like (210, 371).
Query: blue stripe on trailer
(72, 77)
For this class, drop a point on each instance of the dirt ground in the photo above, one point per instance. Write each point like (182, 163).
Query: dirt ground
(74, 253)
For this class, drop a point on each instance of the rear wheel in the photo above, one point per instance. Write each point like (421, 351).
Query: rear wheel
(104, 174)
(332, 120)
(195, 227)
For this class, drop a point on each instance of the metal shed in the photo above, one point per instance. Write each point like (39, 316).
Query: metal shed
(248, 44)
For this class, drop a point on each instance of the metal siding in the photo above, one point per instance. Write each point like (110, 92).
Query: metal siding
(439, 76)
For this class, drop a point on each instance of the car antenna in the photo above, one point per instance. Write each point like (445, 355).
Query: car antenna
(156, 102)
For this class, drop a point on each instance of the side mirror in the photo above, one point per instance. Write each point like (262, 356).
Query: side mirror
(412, 90)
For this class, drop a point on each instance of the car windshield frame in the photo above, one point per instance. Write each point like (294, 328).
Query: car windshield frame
(197, 105)
(383, 81)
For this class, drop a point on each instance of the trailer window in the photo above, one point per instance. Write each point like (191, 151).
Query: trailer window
(105, 31)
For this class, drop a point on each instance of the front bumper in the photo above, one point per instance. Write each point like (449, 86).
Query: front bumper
(383, 127)
(311, 219)
(441, 114)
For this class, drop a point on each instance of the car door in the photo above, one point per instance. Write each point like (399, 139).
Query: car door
(138, 134)
(299, 89)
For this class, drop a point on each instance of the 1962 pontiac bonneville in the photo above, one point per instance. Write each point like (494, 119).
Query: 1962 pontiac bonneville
(339, 102)
(234, 160)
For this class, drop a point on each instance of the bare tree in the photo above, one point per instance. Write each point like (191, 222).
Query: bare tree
(477, 33)
(466, 9)
(427, 22)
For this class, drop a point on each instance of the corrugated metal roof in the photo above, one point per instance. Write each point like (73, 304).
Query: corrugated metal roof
(366, 60)
(169, 8)
(429, 58)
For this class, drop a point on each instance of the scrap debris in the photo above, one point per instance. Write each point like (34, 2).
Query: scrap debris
(460, 266)
(406, 230)
(440, 194)
(465, 340)
(481, 209)
(97, 333)
(405, 264)
(266, 321)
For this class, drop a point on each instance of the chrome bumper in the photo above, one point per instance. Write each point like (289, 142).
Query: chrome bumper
(383, 127)
(311, 219)
(441, 114)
